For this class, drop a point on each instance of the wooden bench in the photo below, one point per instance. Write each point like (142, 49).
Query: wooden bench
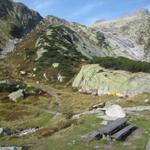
(106, 130)
(90, 136)
(113, 126)
(123, 132)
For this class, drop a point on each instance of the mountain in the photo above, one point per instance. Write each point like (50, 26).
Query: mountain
(57, 41)
(129, 36)
(16, 20)
(70, 45)
(39, 109)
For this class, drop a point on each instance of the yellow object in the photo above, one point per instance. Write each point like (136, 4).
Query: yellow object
(114, 93)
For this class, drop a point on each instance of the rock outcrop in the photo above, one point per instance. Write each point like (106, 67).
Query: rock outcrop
(5, 132)
(14, 96)
(94, 79)
(16, 20)
(129, 36)
(115, 112)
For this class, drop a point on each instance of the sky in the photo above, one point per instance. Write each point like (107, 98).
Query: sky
(86, 11)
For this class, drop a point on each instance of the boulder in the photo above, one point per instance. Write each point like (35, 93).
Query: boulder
(14, 96)
(22, 72)
(111, 82)
(55, 65)
(60, 78)
(115, 111)
(5, 132)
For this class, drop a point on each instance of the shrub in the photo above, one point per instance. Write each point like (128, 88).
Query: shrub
(4, 87)
(121, 63)
(16, 31)
(67, 112)
(29, 52)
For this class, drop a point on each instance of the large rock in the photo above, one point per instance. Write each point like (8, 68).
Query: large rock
(14, 96)
(5, 131)
(115, 111)
(94, 78)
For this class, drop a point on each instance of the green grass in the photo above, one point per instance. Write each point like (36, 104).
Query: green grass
(70, 138)
(17, 116)
(59, 132)
(63, 139)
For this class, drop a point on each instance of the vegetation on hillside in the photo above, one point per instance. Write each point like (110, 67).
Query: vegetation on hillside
(16, 31)
(121, 63)
(61, 49)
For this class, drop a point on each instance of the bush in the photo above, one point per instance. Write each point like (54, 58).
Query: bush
(121, 63)
(5, 87)
(30, 52)
(67, 111)
(16, 31)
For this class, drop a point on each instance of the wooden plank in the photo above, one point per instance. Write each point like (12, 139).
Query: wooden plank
(120, 134)
(105, 130)
(90, 136)
(114, 125)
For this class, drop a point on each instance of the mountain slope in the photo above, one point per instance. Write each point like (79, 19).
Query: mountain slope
(129, 35)
(69, 45)
(16, 20)
(56, 41)
(56, 48)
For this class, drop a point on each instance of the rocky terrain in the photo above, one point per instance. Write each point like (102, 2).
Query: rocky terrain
(94, 79)
(69, 45)
(47, 102)
(16, 20)
(129, 34)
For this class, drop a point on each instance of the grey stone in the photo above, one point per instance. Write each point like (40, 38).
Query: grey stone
(115, 111)
(14, 96)
(117, 83)
(5, 132)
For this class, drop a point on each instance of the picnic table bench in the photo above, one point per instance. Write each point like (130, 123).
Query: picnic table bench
(113, 126)
(106, 130)
(123, 132)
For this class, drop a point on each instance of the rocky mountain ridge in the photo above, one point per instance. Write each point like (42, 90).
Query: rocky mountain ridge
(130, 35)
(16, 20)
(69, 45)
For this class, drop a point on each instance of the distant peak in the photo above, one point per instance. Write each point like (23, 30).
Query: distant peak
(142, 12)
